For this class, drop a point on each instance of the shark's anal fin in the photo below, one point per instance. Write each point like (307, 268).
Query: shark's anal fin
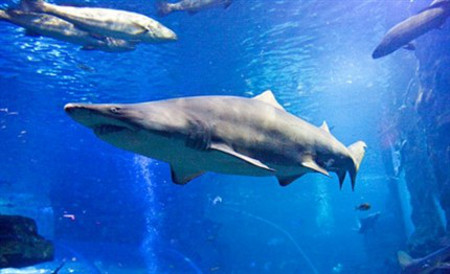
(182, 175)
(228, 150)
(268, 98)
(309, 163)
(286, 180)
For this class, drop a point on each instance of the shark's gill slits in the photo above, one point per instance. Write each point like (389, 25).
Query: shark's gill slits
(107, 129)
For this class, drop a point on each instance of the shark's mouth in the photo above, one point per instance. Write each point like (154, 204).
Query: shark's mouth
(108, 129)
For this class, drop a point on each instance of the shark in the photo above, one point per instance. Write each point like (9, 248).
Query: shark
(222, 134)
(400, 35)
(435, 262)
(120, 24)
(191, 6)
(39, 24)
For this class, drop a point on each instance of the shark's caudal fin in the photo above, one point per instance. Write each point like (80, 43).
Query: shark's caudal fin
(163, 8)
(357, 151)
(404, 259)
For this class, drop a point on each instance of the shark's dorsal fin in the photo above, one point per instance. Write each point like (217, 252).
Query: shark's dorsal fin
(226, 149)
(309, 162)
(286, 180)
(268, 98)
(325, 127)
(182, 175)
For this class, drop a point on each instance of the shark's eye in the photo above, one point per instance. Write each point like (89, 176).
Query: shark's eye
(115, 110)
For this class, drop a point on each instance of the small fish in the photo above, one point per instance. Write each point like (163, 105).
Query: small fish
(113, 23)
(38, 24)
(363, 207)
(191, 6)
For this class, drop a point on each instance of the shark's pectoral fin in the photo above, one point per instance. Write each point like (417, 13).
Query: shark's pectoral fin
(228, 150)
(410, 46)
(182, 175)
(140, 29)
(309, 163)
(286, 180)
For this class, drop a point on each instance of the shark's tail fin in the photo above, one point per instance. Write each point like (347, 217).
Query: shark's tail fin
(404, 259)
(163, 8)
(357, 151)
(32, 5)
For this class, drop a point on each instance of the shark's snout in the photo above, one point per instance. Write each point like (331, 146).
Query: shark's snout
(69, 108)
(102, 119)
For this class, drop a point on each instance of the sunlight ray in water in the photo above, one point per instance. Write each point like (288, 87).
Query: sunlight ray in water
(277, 227)
(145, 174)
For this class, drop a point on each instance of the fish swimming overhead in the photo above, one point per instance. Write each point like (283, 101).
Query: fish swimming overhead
(223, 134)
(363, 207)
(404, 32)
(54, 27)
(118, 24)
(191, 6)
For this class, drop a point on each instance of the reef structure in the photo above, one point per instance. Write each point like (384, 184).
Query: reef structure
(20, 243)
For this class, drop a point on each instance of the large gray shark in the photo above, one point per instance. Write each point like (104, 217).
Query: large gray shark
(436, 262)
(223, 134)
(113, 23)
(54, 27)
(191, 6)
(404, 32)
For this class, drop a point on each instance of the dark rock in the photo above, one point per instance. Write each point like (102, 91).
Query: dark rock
(20, 244)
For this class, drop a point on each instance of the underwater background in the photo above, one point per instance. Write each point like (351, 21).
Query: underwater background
(111, 211)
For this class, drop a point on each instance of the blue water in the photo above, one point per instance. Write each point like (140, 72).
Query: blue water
(128, 217)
